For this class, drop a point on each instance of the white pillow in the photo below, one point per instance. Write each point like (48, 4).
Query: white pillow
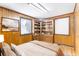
(7, 50)
(13, 47)
(5, 45)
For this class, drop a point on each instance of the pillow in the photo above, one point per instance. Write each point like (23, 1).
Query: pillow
(13, 46)
(14, 49)
(5, 45)
(7, 50)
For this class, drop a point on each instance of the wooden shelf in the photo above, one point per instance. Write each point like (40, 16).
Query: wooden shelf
(37, 24)
(47, 27)
(44, 27)
(36, 27)
(43, 30)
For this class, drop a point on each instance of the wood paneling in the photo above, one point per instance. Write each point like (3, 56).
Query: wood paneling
(14, 37)
(65, 39)
(0, 45)
(76, 13)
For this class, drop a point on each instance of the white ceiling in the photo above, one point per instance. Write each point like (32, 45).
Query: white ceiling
(54, 9)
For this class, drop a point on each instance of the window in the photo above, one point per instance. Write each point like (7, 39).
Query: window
(62, 26)
(25, 26)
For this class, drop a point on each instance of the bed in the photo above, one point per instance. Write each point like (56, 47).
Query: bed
(35, 48)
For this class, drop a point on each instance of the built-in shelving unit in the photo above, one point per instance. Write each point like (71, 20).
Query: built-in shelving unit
(43, 27)
(43, 30)
(47, 27)
(36, 27)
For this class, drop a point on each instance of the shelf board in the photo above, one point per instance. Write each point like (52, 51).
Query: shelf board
(44, 27)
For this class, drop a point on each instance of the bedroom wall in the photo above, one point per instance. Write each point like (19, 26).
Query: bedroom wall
(65, 39)
(77, 29)
(14, 37)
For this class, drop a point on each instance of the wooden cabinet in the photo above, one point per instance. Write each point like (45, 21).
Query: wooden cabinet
(36, 37)
(47, 38)
(0, 51)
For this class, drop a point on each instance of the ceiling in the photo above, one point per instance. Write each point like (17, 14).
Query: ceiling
(52, 9)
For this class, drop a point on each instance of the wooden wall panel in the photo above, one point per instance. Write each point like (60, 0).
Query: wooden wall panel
(65, 39)
(14, 37)
(0, 18)
(69, 39)
(77, 29)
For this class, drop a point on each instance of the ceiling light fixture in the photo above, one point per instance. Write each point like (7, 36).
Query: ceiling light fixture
(39, 6)
(42, 6)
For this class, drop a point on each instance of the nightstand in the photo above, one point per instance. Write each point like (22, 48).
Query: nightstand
(0, 48)
(0, 51)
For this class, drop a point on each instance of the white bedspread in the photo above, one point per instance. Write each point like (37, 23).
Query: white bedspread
(37, 48)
